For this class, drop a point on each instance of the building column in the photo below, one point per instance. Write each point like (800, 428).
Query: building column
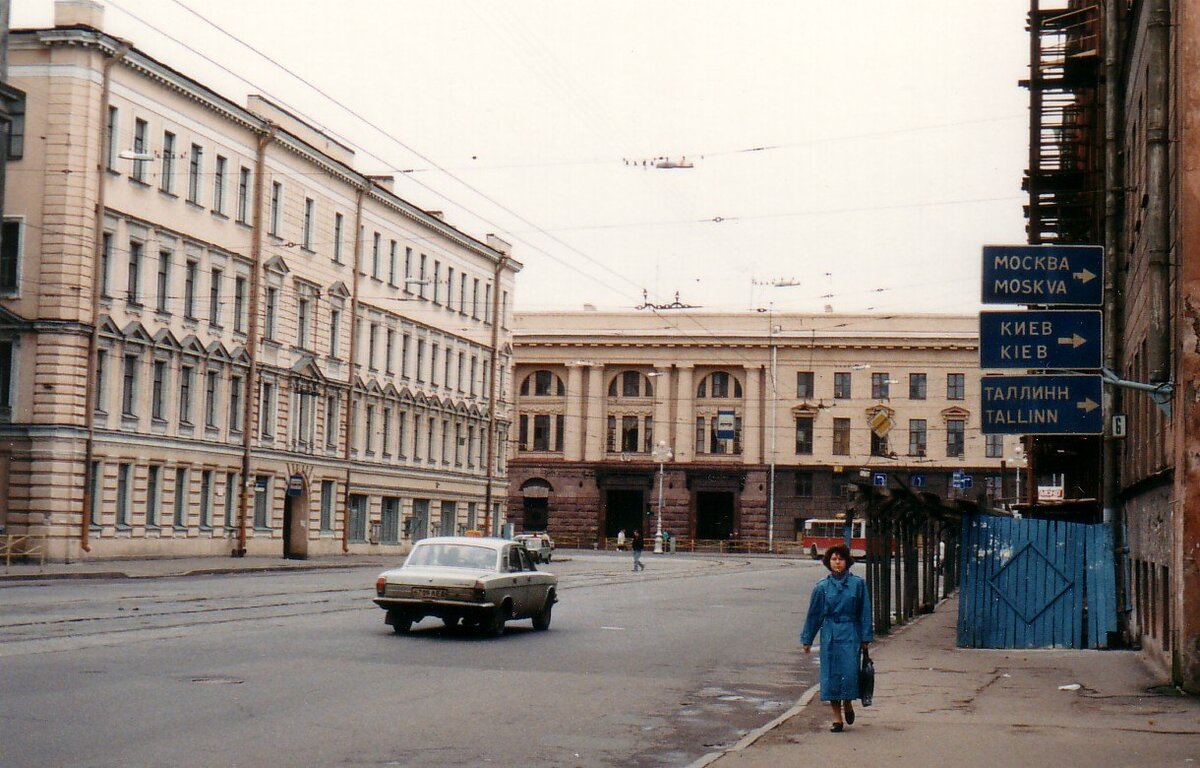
(752, 417)
(685, 416)
(593, 415)
(662, 404)
(574, 426)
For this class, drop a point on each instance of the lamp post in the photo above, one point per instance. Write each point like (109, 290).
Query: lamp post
(662, 454)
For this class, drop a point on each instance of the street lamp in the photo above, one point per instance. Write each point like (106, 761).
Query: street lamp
(662, 454)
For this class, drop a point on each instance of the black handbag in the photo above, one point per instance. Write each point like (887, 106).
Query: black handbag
(866, 679)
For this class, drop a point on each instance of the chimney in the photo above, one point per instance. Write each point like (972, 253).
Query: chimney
(384, 180)
(497, 244)
(76, 13)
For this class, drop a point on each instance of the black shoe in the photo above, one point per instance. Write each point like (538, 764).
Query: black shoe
(835, 728)
(848, 713)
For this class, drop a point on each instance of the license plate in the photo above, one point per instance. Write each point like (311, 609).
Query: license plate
(426, 592)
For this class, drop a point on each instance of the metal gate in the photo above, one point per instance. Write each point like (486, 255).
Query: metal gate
(1035, 584)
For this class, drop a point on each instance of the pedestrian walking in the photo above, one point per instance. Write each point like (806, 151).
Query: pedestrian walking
(621, 540)
(840, 609)
(638, 545)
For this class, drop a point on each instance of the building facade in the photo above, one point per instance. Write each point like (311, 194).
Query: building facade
(1113, 156)
(721, 399)
(252, 347)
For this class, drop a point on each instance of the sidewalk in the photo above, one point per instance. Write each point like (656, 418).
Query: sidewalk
(151, 568)
(936, 704)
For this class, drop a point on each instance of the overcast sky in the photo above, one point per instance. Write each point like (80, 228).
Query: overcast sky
(863, 149)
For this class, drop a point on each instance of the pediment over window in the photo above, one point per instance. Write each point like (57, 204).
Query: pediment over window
(338, 290)
(165, 338)
(276, 264)
(137, 333)
(306, 367)
(874, 410)
(192, 346)
(955, 412)
(810, 410)
(108, 327)
(217, 351)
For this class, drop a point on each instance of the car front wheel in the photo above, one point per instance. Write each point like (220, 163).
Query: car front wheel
(541, 619)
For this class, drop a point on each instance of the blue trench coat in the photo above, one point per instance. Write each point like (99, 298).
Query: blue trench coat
(841, 609)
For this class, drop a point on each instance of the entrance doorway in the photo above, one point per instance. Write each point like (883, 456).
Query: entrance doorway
(295, 540)
(625, 510)
(535, 514)
(714, 514)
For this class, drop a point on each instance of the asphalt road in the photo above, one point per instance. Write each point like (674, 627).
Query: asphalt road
(298, 669)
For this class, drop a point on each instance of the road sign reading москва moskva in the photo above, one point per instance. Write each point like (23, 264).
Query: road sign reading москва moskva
(1043, 274)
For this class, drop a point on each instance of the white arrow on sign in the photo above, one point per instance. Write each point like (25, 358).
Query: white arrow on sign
(1074, 340)
(1086, 276)
(1088, 405)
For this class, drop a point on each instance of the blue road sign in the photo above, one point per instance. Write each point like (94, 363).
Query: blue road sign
(879, 478)
(917, 481)
(1042, 405)
(1053, 339)
(1043, 274)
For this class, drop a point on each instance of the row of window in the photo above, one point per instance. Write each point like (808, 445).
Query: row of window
(721, 384)
(881, 446)
(446, 288)
(880, 386)
(181, 497)
(215, 398)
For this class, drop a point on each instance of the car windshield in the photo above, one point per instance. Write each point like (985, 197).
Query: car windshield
(453, 556)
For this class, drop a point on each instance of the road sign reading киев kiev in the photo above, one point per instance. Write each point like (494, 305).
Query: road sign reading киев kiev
(1058, 404)
(1043, 274)
(1047, 339)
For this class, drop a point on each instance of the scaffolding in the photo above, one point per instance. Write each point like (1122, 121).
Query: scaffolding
(1065, 178)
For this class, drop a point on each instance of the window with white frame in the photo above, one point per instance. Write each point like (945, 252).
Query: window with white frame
(276, 214)
(309, 206)
(141, 131)
(189, 289)
(195, 165)
(219, 184)
(167, 182)
(11, 246)
(243, 199)
(214, 296)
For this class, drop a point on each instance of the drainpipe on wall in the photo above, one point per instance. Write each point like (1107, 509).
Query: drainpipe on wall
(1114, 210)
(492, 390)
(1158, 183)
(250, 399)
(89, 392)
(348, 418)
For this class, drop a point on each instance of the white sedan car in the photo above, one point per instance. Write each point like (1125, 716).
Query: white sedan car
(479, 581)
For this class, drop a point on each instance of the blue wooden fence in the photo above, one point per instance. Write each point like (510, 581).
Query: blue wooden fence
(1035, 584)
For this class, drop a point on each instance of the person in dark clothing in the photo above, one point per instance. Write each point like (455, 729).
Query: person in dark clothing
(639, 543)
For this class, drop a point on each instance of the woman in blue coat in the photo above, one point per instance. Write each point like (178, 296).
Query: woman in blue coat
(840, 609)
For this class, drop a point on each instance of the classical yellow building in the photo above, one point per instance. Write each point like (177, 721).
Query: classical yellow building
(217, 335)
(721, 399)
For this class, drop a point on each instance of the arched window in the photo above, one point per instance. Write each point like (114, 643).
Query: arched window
(630, 384)
(543, 384)
(720, 385)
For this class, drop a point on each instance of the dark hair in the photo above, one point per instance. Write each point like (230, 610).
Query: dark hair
(838, 549)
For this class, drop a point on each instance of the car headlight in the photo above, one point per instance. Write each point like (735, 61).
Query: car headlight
(480, 591)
